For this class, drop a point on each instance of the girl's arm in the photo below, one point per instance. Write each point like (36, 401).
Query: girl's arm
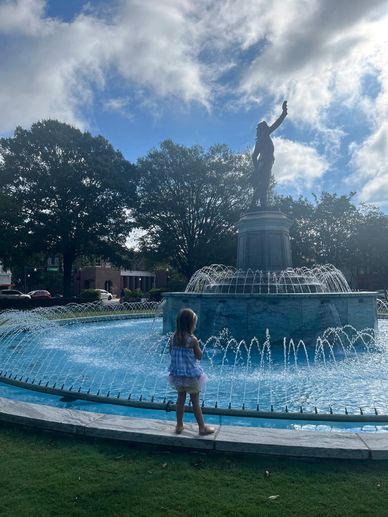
(197, 351)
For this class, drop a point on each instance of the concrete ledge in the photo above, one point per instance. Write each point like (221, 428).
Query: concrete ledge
(311, 444)
(377, 444)
(144, 430)
(285, 442)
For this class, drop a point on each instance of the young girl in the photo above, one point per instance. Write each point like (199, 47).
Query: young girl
(185, 373)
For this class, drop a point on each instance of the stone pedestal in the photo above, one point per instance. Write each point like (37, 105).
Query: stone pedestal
(264, 241)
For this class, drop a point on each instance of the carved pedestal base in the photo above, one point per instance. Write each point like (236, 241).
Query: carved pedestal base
(264, 241)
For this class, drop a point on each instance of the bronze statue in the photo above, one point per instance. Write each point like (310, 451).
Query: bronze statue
(264, 150)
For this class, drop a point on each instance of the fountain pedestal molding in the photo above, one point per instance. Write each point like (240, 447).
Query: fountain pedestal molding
(264, 241)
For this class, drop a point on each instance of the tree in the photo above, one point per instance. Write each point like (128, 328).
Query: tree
(322, 232)
(301, 214)
(188, 201)
(335, 222)
(12, 248)
(72, 190)
(334, 230)
(370, 242)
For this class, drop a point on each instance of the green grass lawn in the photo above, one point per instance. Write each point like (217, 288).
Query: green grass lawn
(45, 474)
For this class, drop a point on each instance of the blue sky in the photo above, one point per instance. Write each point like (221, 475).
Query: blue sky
(206, 72)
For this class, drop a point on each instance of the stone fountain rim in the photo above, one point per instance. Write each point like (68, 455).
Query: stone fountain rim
(341, 294)
(284, 442)
(210, 410)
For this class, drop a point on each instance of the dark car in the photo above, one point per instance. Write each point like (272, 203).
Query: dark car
(40, 294)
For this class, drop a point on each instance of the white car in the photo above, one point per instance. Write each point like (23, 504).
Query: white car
(105, 295)
(12, 294)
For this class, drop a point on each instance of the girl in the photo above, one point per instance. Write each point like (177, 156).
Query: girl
(185, 374)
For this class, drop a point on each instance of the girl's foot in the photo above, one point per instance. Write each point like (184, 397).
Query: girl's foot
(206, 430)
(179, 429)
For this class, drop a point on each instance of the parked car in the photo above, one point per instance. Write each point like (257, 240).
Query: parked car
(13, 294)
(40, 294)
(105, 295)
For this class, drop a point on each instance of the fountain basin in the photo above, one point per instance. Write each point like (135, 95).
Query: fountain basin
(124, 362)
(296, 315)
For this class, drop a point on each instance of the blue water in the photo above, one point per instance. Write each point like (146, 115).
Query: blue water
(130, 358)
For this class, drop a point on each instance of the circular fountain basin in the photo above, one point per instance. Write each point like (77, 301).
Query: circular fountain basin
(341, 376)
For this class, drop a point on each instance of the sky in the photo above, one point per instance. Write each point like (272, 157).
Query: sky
(206, 72)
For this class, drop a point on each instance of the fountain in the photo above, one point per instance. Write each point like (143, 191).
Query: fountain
(265, 292)
(119, 357)
(279, 342)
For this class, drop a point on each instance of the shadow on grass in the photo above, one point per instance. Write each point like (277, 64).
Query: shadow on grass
(50, 474)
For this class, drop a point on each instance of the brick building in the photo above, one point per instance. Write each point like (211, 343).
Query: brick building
(112, 279)
(5, 278)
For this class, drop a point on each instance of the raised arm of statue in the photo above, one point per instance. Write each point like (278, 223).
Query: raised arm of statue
(263, 158)
(277, 122)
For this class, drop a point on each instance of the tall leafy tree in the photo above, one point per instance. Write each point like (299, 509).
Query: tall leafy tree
(12, 245)
(301, 215)
(370, 242)
(335, 222)
(188, 201)
(333, 229)
(72, 190)
(322, 231)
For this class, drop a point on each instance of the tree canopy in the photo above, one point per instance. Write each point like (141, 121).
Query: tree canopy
(332, 229)
(72, 191)
(63, 191)
(188, 201)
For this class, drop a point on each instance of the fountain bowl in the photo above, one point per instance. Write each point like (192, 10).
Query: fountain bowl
(297, 302)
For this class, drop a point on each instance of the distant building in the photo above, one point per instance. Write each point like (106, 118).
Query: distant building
(112, 279)
(5, 277)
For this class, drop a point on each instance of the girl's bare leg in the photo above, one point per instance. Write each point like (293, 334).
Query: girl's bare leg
(203, 429)
(180, 410)
(197, 410)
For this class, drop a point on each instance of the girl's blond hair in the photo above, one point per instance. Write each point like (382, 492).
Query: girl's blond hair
(185, 324)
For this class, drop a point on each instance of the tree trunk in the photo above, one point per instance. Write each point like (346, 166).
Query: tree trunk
(68, 259)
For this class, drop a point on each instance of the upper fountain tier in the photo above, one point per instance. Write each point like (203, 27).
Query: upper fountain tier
(222, 279)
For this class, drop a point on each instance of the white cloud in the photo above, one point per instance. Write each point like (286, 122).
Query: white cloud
(315, 53)
(119, 105)
(51, 68)
(370, 162)
(21, 16)
(312, 52)
(48, 73)
(297, 166)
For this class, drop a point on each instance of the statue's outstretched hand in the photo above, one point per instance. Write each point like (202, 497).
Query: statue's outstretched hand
(284, 107)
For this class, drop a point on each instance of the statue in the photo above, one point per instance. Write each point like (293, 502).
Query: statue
(264, 150)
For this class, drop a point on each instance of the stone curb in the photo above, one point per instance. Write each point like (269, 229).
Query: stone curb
(284, 442)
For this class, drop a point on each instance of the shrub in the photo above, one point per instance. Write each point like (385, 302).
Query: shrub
(90, 294)
(155, 294)
(132, 296)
